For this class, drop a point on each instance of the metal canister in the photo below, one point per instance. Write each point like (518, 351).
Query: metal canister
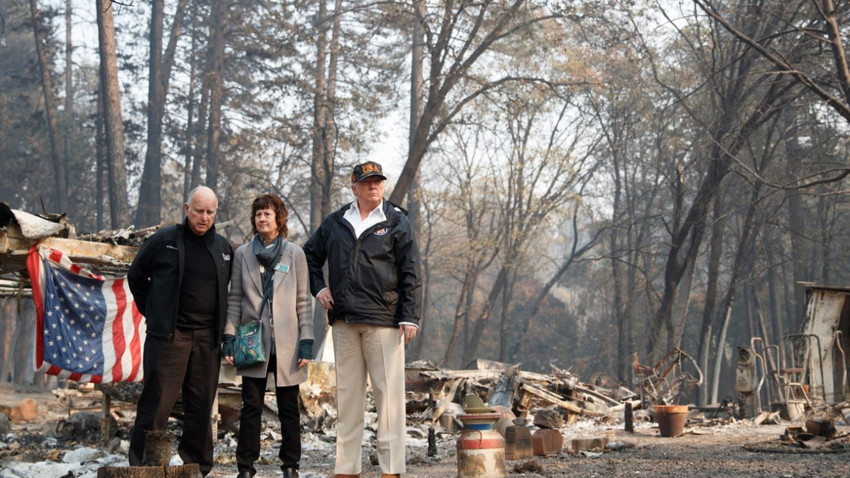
(480, 448)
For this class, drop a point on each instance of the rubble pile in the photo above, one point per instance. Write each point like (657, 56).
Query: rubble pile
(432, 393)
(550, 416)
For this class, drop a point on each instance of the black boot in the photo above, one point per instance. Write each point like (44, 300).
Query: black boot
(244, 474)
(290, 472)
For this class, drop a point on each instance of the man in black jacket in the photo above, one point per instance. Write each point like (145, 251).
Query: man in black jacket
(373, 299)
(179, 282)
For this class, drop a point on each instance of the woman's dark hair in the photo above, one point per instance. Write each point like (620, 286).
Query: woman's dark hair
(270, 201)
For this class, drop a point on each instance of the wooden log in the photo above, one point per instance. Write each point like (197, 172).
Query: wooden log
(158, 444)
(608, 400)
(636, 405)
(191, 470)
(558, 400)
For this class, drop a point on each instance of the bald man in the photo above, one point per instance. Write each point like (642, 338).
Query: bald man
(179, 282)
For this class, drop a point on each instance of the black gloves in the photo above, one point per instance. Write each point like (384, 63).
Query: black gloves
(305, 349)
(227, 346)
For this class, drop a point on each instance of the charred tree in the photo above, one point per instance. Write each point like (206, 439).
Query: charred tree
(113, 123)
(60, 178)
(150, 190)
(215, 81)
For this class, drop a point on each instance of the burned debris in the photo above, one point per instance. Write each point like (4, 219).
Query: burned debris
(560, 418)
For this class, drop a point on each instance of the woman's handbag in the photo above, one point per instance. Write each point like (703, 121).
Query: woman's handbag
(248, 345)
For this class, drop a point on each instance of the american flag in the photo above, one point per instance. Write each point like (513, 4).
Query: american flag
(88, 327)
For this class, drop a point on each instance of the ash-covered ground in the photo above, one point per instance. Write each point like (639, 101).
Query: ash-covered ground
(56, 443)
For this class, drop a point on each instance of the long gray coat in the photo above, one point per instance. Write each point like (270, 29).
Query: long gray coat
(293, 318)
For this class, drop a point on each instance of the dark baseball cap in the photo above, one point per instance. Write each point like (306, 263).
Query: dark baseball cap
(367, 170)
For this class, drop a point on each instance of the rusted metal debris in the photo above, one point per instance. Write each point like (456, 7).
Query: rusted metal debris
(670, 381)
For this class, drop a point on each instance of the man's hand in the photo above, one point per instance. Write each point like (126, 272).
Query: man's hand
(325, 299)
(408, 332)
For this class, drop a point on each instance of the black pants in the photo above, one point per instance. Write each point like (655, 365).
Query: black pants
(250, 423)
(189, 362)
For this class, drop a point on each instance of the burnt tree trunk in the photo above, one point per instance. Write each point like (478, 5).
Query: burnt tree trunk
(216, 89)
(61, 192)
(417, 41)
(150, 190)
(118, 209)
(191, 125)
(708, 311)
(69, 96)
(742, 259)
(800, 246)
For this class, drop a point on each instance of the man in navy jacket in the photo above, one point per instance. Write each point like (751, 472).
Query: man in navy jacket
(373, 299)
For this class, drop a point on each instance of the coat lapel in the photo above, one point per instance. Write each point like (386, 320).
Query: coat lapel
(254, 269)
(286, 262)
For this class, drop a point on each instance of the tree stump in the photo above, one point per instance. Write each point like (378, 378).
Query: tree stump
(191, 470)
(158, 445)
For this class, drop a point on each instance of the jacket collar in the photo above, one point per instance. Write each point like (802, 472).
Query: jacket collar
(391, 211)
(209, 236)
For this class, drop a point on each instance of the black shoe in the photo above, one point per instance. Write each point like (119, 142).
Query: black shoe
(290, 472)
(244, 474)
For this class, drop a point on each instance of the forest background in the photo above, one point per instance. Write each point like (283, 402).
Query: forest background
(590, 180)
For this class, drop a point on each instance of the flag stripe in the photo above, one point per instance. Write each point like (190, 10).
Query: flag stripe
(36, 278)
(118, 343)
(135, 343)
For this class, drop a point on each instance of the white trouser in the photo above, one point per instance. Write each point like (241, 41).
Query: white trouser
(379, 352)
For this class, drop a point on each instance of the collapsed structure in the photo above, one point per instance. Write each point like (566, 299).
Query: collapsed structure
(808, 369)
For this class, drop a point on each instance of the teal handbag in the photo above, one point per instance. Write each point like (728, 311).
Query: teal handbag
(249, 345)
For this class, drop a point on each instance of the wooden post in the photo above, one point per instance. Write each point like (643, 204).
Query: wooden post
(106, 406)
(629, 418)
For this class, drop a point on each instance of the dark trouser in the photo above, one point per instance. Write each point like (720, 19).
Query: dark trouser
(250, 423)
(189, 362)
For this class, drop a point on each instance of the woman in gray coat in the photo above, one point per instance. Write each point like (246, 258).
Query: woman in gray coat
(269, 282)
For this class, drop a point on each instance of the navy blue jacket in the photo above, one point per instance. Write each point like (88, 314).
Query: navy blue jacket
(374, 279)
(157, 272)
